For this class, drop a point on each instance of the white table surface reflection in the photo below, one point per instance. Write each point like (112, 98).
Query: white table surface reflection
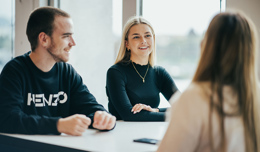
(118, 140)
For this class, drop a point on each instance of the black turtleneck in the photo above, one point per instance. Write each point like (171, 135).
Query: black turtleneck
(125, 88)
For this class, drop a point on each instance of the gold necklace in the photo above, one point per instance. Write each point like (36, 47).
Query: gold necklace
(139, 73)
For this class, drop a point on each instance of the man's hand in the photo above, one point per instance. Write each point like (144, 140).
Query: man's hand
(104, 120)
(138, 107)
(73, 125)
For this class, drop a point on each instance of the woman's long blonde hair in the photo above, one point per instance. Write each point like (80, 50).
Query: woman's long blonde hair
(123, 54)
(228, 57)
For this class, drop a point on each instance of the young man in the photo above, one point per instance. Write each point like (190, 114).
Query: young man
(39, 92)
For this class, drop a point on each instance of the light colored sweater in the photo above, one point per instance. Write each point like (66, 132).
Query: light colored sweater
(188, 129)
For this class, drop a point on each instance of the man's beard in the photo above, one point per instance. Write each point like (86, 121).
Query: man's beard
(57, 58)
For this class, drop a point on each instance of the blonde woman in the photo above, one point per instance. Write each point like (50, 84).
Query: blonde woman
(223, 114)
(133, 82)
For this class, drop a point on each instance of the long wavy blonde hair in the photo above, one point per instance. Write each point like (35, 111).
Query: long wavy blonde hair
(228, 57)
(124, 55)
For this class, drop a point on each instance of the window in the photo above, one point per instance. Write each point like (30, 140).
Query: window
(97, 31)
(179, 27)
(6, 31)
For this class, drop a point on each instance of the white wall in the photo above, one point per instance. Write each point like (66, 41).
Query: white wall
(129, 9)
(23, 9)
(95, 42)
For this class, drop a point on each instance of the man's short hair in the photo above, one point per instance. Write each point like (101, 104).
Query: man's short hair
(42, 20)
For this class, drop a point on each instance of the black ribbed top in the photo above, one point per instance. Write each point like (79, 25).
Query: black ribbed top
(125, 88)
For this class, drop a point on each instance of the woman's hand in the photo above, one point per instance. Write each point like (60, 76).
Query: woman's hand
(138, 107)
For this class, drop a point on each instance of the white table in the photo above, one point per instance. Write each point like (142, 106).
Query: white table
(118, 140)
